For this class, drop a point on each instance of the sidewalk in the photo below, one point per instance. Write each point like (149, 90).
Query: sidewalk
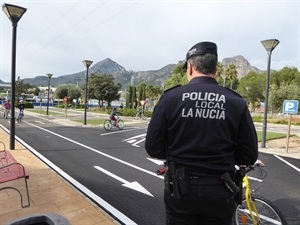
(48, 193)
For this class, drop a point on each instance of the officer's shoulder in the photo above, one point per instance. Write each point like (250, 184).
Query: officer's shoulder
(172, 88)
(234, 92)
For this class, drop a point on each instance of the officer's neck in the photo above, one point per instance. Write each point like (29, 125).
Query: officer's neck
(194, 75)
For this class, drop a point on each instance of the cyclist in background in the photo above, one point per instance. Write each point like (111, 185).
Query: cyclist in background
(6, 106)
(113, 114)
(21, 107)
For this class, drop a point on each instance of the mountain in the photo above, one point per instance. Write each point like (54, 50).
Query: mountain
(242, 64)
(122, 76)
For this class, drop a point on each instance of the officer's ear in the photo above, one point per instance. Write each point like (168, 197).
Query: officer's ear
(189, 71)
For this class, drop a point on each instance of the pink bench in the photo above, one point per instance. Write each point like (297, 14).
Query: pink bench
(11, 170)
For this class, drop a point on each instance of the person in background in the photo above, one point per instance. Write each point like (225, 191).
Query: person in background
(202, 130)
(113, 114)
(21, 107)
(6, 107)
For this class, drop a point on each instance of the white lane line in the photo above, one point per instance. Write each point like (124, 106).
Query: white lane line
(291, 165)
(121, 131)
(78, 185)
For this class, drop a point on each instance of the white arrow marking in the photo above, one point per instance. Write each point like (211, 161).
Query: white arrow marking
(157, 161)
(133, 140)
(135, 144)
(39, 122)
(133, 185)
(141, 135)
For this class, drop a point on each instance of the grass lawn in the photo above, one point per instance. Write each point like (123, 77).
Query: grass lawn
(270, 135)
(44, 112)
(91, 122)
(94, 122)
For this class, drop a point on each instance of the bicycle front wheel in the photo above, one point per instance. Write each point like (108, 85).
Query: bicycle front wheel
(107, 125)
(268, 213)
(121, 124)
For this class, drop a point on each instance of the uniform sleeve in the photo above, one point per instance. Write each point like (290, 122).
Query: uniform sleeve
(247, 148)
(156, 138)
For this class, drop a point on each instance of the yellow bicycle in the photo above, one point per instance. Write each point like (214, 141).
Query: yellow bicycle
(254, 209)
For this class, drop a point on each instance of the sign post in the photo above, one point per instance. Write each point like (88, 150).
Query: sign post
(290, 107)
(65, 101)
(41, 96)
(142, 103)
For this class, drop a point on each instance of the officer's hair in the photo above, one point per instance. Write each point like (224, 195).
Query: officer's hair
(205, 64)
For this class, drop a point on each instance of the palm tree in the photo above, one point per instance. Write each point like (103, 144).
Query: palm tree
(231, 73)
(219, 72)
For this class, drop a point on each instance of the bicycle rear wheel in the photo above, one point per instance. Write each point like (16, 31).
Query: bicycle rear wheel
(120, 124)
(268, 213)
(107, 125)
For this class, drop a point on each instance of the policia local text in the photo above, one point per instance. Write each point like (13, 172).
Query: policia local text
(208, 105)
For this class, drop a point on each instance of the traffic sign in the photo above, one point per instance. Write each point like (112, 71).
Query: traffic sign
(290, 106)
(142, 102)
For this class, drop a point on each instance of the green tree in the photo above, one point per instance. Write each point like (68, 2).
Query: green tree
(178, 77)
(285, 92)
(67, 90)
(141, 89)
(252, 87)
(61, 91)
(231, 74)
(74, 92)
(219, 72)
(286, 75)
(103, 88)
(153, 92)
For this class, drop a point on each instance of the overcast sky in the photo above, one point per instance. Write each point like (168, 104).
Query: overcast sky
(55, 36)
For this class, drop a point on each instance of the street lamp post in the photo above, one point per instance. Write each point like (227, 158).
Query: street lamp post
(49, 77)
(14, 14)
(269, 45)
(87, 64)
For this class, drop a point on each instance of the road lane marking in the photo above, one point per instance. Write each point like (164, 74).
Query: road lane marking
(132, 185)
(134, 141)
(37, 121)
(121, 131)
(291, 165)
(157, 161)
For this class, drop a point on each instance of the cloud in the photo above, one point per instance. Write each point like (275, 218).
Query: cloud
(55, 36)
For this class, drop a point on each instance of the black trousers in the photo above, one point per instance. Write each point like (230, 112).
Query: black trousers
(206, 204)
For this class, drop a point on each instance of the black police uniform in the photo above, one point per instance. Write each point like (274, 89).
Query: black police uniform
(207, 130)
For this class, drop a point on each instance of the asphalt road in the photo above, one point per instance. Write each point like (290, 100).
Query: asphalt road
(113, 169)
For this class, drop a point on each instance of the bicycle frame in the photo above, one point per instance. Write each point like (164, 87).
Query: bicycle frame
(249, 202)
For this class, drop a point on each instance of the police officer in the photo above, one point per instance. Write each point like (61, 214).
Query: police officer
(202, 130)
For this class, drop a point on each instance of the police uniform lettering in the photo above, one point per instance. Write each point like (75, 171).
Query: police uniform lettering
(208, 105)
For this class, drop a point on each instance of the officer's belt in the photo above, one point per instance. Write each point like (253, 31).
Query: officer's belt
(205, 180)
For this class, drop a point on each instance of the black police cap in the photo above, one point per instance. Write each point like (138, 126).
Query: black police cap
(201, 48)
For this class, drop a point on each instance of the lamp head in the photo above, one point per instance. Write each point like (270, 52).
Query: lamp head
(13, 12)
(87, 63)
(49, 75)
(270, 44)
